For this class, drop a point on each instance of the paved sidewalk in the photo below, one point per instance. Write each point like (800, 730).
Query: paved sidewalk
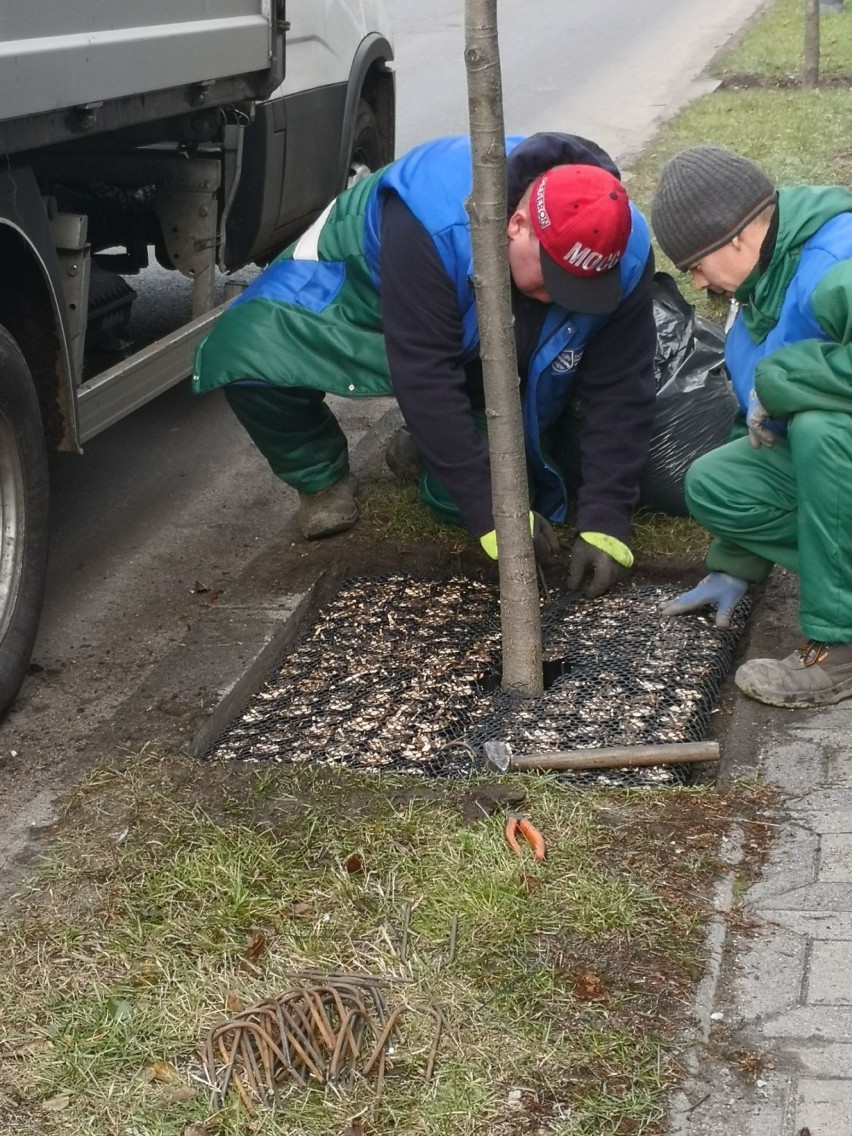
(784, 991)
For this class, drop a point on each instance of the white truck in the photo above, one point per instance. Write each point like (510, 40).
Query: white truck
(207, 137)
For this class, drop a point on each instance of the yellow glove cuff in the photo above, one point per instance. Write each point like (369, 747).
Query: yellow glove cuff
(489, 544)
(489, 541)
(619, 552)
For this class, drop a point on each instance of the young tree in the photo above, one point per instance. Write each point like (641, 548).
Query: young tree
(520, 614)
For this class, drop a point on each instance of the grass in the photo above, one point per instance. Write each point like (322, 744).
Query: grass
(773, 45)
(154, 916)
(394, 512)
(796, 136)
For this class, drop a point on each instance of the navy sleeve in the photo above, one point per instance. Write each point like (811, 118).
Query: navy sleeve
(423, 340)
(618, 393)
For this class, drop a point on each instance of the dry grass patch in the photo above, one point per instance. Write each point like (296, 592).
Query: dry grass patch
(391, 512)
(179, 892)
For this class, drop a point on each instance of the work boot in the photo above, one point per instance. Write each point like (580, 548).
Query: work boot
(403, 457)
(332, 510)
(815, 675)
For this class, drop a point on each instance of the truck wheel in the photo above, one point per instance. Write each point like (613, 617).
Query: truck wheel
(24, 492)
(366, 145)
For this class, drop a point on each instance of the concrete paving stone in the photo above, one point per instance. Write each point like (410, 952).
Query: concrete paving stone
(824, 1060)
(769, 1108)
(782, 954)
(810, 1023)
(824, 809)
(827, 719)
(728, 1109)
(829, 980)
(824, 1106)
(839, 768)
(768, 1115)
(792, 863)
(813, 897)
(835, 859)
(799, 765)
(812, 924)
(829, 730)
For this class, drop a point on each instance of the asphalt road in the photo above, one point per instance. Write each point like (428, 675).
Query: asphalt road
(175, 496)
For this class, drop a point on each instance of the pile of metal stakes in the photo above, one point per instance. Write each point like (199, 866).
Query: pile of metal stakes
(327, 1029)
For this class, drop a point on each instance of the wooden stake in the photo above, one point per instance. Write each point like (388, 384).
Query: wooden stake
(617, 757)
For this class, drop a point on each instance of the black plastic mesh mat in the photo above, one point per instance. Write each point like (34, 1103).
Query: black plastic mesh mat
(402, 674)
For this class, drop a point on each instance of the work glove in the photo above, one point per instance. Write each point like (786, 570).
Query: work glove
(759, 433)
(602, 558)
(545, 543)
(718, 589)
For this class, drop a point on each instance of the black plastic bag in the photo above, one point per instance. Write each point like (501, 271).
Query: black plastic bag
(695, 403)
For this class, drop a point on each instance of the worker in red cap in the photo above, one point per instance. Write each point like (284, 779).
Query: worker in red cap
(377, 298)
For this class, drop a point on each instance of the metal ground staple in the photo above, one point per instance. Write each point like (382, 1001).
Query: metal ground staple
(328, 1029)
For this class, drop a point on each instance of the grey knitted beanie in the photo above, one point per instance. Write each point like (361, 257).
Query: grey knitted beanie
(706, 195)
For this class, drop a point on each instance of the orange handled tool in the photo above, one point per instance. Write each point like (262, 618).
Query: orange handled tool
(517, 823)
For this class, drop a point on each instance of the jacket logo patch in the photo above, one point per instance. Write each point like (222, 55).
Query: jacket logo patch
(567, 360)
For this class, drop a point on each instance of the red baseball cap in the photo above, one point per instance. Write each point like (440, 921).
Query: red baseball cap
(581, 216)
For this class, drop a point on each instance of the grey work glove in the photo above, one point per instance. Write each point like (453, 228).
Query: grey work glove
(718, 590)
(601, 558)
(759, 433)
(545, 541)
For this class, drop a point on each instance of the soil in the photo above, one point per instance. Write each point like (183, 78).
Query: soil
(745, 80)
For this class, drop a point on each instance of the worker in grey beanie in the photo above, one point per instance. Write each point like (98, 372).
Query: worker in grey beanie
(706, 195)
(777, 492)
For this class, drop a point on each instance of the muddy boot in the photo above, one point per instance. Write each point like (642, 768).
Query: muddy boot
(332, 510)
(403, 457)
(816, 675)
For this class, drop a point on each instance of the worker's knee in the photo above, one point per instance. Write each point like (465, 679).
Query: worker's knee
(817, 436)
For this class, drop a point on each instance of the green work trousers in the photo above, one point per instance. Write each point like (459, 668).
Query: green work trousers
(789, 504)
(302, 440)
(295, 431)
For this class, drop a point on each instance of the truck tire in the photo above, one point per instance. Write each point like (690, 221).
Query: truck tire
(366, 155)
(24, 497)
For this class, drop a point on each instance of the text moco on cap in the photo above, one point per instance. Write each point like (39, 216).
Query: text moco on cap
(581, 216)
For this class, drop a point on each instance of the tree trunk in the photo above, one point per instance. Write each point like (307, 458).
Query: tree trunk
(810, 67)
(520, 613)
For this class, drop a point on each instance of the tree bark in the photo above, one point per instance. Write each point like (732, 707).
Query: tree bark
(810, 66)
(520, 613)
